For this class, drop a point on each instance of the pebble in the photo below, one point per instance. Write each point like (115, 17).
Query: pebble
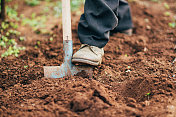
(148, 27)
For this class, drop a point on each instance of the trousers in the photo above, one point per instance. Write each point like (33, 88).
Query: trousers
(100, 18)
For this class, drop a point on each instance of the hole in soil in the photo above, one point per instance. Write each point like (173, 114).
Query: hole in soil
(138, 89)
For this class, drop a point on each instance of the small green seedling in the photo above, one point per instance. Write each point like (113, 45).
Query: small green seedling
(4, 25)
(11, 42)
(35, 22)
(14, 25)
(7, 33)
(26, 66)
(14, 32)
(12, 50)
(148, 95)
(51, 39)
(22, 38)
(2, 44)
(12, 13)
(8, 0)
(38, 42)
(75, 4)
(166, 6)
(172, 24)
(126, 55)
(32, 2)
(167, 13)
(4, 38)
(35, 46)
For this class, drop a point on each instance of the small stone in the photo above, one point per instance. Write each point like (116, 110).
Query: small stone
(145, 49)
(33, 104)
(147, 103)
(171, 108)
(146, 20)
(148, 27)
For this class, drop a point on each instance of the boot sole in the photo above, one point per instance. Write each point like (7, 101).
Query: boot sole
(84, 61)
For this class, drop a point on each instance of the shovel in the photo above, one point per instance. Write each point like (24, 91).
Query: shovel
(66, 68)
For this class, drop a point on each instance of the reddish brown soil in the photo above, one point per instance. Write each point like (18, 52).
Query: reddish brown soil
(132, 67)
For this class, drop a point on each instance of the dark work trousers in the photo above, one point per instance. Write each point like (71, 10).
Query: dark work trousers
(100, 18)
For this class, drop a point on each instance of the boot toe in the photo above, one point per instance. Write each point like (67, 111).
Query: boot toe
(87, 55)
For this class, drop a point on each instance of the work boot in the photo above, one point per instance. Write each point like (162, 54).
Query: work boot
(87, 54)
(128, 32)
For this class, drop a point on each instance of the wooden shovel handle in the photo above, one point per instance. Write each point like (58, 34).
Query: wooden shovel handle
(66, 20)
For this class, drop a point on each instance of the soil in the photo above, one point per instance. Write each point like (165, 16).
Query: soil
(136, 78)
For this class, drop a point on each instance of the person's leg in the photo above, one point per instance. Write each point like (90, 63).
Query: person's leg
(100, 16)
(124, 17)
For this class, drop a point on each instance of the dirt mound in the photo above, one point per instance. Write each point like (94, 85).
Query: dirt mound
(72, 97)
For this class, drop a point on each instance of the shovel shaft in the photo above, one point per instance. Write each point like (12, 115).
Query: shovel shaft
(67, 33)
(68, 51)
(66, 20)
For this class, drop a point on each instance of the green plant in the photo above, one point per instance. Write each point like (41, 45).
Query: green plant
(167, 13)
(51, 39)
(8, 0)
(12, 13)
(58, 9)
(14, 32)
(36, 22)
(75, 4)
(12, 50)
(4, 25)
(38, 42)
(22, 38)
(166, 6)
(2, 44)
(14, 25)
(32, 2)
(147, 94)
(26, 66)
(173, 23)
(7, 44)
